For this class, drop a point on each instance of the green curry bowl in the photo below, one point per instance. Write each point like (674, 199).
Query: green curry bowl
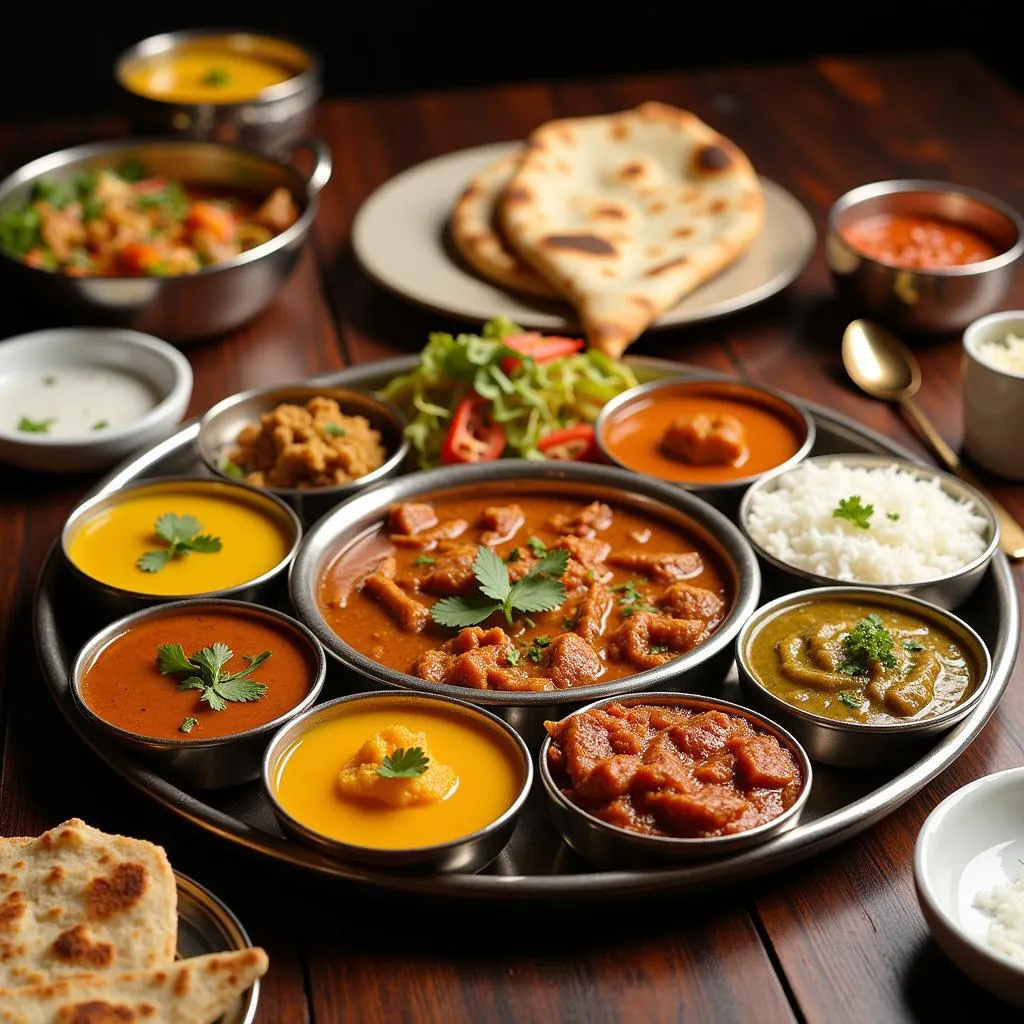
(862, 677)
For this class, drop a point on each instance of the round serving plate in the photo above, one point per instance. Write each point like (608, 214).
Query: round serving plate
(537, 863)
(400, 237)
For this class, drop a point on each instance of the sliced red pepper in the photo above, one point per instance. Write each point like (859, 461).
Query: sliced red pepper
(577, 443)
(542, 348)
(147, 186)
(473, 436)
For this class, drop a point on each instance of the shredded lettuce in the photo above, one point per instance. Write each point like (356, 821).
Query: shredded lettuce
(529, 402)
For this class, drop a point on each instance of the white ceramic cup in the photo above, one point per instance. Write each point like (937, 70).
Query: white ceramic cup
(993, 398)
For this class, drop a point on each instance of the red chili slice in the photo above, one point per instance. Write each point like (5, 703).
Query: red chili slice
(576, 443)
(542, 348)
(473, 436)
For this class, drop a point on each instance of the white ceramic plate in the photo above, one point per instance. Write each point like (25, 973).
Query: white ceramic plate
(400, 237)
(970, 843)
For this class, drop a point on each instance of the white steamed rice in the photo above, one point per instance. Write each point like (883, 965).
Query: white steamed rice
(1005, 905)
(934, 535)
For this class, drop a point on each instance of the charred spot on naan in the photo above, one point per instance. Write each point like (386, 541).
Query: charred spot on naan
(631, 171)
(590, 245)
(664, 268)
(76, 946)
(12, 911)
(518, 194)
(713, 158)
(117, 892)
(608, 212)
(99, 1011)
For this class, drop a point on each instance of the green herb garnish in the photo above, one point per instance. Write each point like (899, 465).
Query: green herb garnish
(189, 724)
(912, 645)
(851, 509)
(536, 651)
(423, 560)
(231, 469)
(539, 590)
(182, 536)
(204, 672)
(850, 700)
(216, 76)
(333, 430)
(101, 425)
(512, 657)
(513, 556)
(659, 649)
(404, 764)
(537, 546)
(868, 643)
(894, 516)
(30, 426)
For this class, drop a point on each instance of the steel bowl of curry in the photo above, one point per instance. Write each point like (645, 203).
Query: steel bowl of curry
(711, 436)
(181, 239)
(170, 538)
(400, 781)
(652, 778)
(527, 587)
(925, 257)
(311, 446)
(862, 677)
(197, 688)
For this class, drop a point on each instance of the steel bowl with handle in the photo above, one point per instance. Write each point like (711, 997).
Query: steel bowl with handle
(189, 307)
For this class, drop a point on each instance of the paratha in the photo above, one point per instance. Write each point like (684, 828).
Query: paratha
(626, 213)
(476, 233)
(198, 990)
(76, 900)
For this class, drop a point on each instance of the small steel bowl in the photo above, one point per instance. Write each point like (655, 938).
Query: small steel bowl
(469, 853)
(189, 307)
(221, 425)
(196, 763)
(102, 600)
(916, 300)
(705, 665)
(851, 744)
(948, 591)
(272, 120)
(725, 495)
(611, 847)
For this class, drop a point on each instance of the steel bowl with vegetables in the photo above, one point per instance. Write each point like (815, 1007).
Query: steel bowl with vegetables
(505, 393)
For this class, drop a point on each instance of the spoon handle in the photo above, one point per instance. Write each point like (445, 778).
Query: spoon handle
(1011, 535)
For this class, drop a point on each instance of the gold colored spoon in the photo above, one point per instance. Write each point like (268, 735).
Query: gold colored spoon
(880, 364)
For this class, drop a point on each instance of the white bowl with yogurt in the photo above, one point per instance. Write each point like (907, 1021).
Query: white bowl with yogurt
(80, 399)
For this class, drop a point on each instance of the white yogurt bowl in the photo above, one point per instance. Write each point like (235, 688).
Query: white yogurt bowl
(80, 399)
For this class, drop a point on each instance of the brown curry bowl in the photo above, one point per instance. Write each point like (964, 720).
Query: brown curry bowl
(361, 517)
(611, 846)
(849, 743)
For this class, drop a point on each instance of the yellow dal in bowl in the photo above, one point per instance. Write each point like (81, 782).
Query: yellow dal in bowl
(255, 537)
(489, 770)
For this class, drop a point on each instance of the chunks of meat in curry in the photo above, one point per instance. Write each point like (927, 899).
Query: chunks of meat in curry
(706, 440)
(671, 770)
(638, 590)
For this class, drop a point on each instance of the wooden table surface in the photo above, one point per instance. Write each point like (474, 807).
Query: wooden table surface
(835, 938)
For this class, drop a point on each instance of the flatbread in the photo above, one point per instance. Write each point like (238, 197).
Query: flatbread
(476, 233)
(627, 213)
(79, 901)
(198, 990)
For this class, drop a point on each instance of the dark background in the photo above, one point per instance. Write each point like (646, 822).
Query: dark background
(62, 66)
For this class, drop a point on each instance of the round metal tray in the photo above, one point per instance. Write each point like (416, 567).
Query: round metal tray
(536, 863)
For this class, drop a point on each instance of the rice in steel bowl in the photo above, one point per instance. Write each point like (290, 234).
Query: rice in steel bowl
(881, 524)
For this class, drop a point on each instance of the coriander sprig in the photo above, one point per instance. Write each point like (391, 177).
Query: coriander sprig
(182, 536)
(869, 642)
(404, 764)
(854, 511)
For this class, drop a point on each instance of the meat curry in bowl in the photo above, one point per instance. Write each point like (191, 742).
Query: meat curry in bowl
(522, 584)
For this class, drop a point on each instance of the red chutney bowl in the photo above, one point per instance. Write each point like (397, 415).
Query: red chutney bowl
(754, 776)
(923, 257)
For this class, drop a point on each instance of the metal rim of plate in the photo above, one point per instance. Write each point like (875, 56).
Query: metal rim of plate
(207, 925)
(797, 843)
(401, 228)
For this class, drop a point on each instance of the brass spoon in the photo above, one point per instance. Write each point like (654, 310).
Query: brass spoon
(880, 364)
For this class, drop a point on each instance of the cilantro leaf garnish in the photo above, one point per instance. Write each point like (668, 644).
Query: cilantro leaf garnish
(333, 430)
(231, 469)
(537, 546)
(659, 649)
(423, 560)
(216, 76)
(100, 425)
(912, 645)
(847, 698)
(894, 516)
(189, 724)
(404, 764)
(204, 672)
(853, 510)
(182, 536)
(868, 643)
(540, 590)
(30, 426)
(536, 651)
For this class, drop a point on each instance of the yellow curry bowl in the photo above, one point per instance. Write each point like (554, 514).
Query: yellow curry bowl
(175, 537)
(863, 677)
(399, 781)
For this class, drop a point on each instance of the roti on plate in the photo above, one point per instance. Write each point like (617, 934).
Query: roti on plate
(627, 213)
(476, 233)
(198, 990)
(76, 900)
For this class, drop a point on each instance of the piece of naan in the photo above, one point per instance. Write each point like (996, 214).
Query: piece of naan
(476, 232)
(199, 990)
(76, 900)
(627, 213)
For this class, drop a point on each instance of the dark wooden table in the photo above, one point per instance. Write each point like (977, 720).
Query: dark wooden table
(836, 938)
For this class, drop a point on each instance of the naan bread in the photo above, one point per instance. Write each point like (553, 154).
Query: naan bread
(79, 901)
(476, 234)
(627, 213)
(198, 990)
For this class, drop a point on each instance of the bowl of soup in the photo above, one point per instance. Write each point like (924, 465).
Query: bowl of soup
(710, 436)
(526, 587)
(657, 778)
(925, 257)
(234, 86)
(399, 781)
(862, 677)
(198, 687)
(177, 537)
